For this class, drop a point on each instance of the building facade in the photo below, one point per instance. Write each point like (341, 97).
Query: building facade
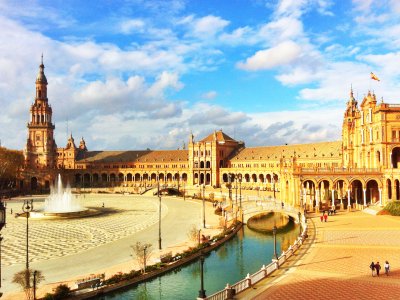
(362, 167)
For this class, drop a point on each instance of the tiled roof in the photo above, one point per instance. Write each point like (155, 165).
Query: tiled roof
(221, 137)
(303, 151)
(146, 156)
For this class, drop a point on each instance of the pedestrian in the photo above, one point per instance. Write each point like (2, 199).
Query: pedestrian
(372, 267)
(103, 204)
(377, 268)
(11, 211)
(325, 217)
(322, 217)
(387, 268)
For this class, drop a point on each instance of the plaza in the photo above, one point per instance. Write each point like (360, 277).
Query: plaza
(66, 250)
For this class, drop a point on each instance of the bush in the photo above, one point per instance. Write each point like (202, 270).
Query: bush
(61, 292)
(393, 208)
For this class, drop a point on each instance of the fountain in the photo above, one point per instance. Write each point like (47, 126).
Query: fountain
(61, 200)
(63, 204)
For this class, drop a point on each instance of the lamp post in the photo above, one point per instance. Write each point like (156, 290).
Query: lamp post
(204, 207)
(199, 236)
(236, 181)
(27, 207)
(230, 188)
(202, 292)
(299, 214)
(144, 259)
(2, 224)
(159, 214)
(34, 284)
(240, 190)
(274, 233)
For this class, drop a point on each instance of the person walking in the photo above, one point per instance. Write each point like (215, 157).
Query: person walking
(372, 267)
(377, 268)
(322, 217)
(387, 268)
(325, 217)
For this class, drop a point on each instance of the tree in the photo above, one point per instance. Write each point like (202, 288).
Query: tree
(142, 252)
(21, 279)
(193, 233)
(11, 162)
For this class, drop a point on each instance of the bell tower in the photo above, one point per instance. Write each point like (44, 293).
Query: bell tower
(41, 149)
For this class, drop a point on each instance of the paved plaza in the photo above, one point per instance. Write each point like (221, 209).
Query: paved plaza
(334, 262)
(67, 249)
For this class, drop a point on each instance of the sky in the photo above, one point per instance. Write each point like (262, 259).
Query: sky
(138, 74)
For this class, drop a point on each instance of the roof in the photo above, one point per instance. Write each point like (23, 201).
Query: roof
(315, 150)
(220, 137)
(147, 156)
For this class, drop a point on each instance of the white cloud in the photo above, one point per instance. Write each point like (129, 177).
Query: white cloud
(282, 54)
(209, 26)
(131, 26)
(209, 95)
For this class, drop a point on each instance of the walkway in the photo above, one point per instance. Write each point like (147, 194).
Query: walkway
(65, 250)
(336, 264)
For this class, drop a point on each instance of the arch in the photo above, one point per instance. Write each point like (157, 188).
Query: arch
(184, 177)
(34, 183)
(225, 178)
(112, 177)
(196, 178)
(145, 176)
(201, 178)
(389, 188)
(47, 184)
(356, 191)
(246, 177)
(395, 157)
(129, 177)
(161, 176)
(378, 158)
(202, 165)
(268, 178)
(78, 178)
(261, 178)
(86, 179)
(137, 177)
(221, 163)
(324, 187)
(372, 193)
(95, 177)
(254, 178)
(308, 193)
(153, 177)
(397, 188)
(169, 177)
(208, 178)
(208, 164)
(104, 177)
(120, 177)
(196, 164)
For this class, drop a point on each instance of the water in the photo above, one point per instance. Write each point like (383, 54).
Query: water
(243, 254)
(61, 200)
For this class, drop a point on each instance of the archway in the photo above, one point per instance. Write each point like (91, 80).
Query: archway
(309, 194)
(395, 157)
(396, 184)
(372, 193)
(208, 164)
(389, 188)
(95, 177)
(208, 178)
(201, 178)
(357, 192)
(34, 183)
(77, 178)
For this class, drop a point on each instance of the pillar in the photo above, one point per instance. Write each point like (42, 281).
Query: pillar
(317, 200)
(365, 196)
(348, 200)
(380, 197)
(333, 197)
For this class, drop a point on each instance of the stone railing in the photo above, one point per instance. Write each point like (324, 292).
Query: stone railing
(264, 272)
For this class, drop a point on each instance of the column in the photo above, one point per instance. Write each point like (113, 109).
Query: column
(317, 200)
(380, 197)
(365, 196)
(333, 197)
(348, 200)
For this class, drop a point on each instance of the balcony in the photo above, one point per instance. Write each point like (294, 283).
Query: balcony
(344, 171)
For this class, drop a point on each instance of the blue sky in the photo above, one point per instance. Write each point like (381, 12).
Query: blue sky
(139, 74)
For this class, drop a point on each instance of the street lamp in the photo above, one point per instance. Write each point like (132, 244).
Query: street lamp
(240, 190)
(204, 207)
(199, 236)
(34, 284)
(144, 259)
(236, 180)
(230, 188)
(1, 238)
(299, 214)
(159, 214)
(202, 292)
(27, 207)
(274, 233)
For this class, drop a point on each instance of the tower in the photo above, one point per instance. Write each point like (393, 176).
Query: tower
(41, 149)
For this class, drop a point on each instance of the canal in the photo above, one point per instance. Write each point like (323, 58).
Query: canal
(245, 253)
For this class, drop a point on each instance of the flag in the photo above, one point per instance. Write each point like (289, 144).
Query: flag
(374, 77)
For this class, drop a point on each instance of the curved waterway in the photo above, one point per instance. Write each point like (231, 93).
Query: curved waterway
(245, 253)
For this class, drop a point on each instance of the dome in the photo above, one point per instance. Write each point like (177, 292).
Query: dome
(41, 77)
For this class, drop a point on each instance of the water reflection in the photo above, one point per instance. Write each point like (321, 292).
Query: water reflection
(245, 253)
